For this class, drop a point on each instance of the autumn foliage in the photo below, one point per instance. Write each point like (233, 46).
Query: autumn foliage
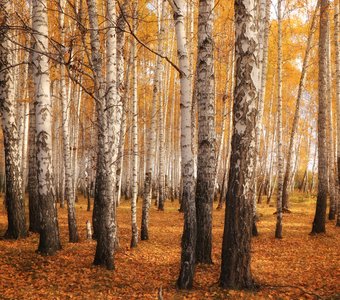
(299, 266)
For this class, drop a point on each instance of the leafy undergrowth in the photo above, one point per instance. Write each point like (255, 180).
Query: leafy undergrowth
(299, 266)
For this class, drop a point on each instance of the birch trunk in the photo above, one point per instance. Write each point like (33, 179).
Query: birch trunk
(161, 121)
(107, 133)
(34, 215)
(330, 142)
(287, 177)
(186, 275)
(49, 241)
(337, 88)
(321, 202)
(134, 227)
(121, 90)
(205, 95)
(13, 196)
(278, 230)
(236, 246)
(69, 192)
(151, 147)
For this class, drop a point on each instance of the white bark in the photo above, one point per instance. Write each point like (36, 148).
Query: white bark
(49, 241)
(14, 195)
(278, 230)
(69, 190)
(134, 237)
(185, 279)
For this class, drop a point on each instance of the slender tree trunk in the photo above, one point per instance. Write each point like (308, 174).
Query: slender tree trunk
(223, 126)
(151, 147)
(49, 241)
(34, 215)
(205, 95)
(161, 120)
(330, 142)
(108, 131)
(185, 279)
(134, 237)
(337, 88)
(263, 59)
(236, 246)
(278, 230)
(321, 203)
(13, 196)
(69, 194)
(287, 177)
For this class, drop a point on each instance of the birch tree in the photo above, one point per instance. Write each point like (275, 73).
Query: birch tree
(69, 190)
(278, 230)
(161, 114)
(13, 195)
(236, 246)
(337, 89)
(287, 177)
(108, 132)
(330, 142)
(205, 95)
(187, 270)
(151, 146)
(134, 227)
(264, 17)
(49, 241)
(321, 202)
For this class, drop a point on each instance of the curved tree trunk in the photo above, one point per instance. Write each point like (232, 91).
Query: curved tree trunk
(288, 173)
(236, 247)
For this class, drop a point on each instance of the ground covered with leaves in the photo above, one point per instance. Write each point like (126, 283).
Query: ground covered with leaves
(299, 266)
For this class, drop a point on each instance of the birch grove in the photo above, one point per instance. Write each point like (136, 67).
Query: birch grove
(161, 112)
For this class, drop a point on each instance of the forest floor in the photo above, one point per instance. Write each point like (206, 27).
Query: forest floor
(299, 266)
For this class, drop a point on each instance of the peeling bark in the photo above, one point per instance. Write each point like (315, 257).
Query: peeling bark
(236, 246)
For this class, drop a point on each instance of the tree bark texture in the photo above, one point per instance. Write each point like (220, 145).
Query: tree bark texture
(49, 241)
(205, 95)
(278, 229)
(14, 197)
(236, 247)
(321, 202)
(108, 131)
(337, 89)
(185, 279)
(69, 190)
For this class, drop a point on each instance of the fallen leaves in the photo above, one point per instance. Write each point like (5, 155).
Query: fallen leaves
(299, 266)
